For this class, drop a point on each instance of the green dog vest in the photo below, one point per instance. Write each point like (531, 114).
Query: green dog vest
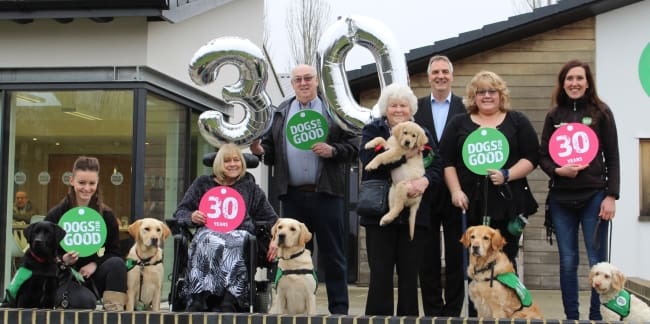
(511, 281)
(620, 304)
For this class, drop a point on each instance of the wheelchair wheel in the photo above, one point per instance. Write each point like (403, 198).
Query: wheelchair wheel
(263, 297)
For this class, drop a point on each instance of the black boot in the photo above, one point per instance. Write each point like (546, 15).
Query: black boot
(228, 304)
(198, 302)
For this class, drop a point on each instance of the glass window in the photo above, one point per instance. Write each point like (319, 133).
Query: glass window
(49, 130)
(644, 164)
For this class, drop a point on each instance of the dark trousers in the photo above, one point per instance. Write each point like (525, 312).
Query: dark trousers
(323, 214)
(390, 248)
(110, 275)
(433, 302)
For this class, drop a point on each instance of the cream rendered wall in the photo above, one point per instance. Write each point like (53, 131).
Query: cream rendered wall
(47, 43)
(621, 36)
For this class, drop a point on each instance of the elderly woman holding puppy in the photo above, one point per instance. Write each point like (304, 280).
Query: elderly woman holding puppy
(391, 246)
(217, 278)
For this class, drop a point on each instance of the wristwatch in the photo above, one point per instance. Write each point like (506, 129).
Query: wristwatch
(506, 175)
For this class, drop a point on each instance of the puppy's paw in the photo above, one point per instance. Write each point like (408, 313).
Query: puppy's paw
(385, 220)
(372, 165)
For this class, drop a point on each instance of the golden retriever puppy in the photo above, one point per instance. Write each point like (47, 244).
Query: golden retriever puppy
(144, 280)
(405, 137)
(296, 282)
(617, 303)
(488, 268)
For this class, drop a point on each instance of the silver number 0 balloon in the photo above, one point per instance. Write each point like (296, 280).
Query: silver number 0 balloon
(334, 46)
(248, 91)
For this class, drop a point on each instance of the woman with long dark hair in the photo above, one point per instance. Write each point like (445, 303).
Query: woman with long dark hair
(580, 193)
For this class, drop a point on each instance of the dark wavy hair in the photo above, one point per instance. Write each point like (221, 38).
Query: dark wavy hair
(595, 106)
(86, 163)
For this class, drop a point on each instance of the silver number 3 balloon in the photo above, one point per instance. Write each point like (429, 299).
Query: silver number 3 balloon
(248, 92)
(334, 46)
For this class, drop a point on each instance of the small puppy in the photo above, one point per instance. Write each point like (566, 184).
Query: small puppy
(146, 256)
(609, 283)
(296, 286)
(35, 283)
(487, 265)
(405, 137)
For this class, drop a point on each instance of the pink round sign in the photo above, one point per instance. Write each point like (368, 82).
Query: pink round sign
(573, 143)
(224, 208)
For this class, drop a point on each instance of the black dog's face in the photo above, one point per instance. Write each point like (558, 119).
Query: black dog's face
(43, 238)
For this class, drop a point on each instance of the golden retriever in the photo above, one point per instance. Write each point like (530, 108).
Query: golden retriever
(144, 280)
(296, 287)
(491, 298)
(405, 137)
(609, 281)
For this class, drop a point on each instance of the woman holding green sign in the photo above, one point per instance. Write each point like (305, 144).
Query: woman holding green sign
(92, 244)
(488, 153)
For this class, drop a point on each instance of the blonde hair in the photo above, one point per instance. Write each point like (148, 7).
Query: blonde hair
(493, 81)
(218, 166)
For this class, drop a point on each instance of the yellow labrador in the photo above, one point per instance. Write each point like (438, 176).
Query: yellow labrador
(487, 265)
(404, 137)
(144, 280)
(296, 285)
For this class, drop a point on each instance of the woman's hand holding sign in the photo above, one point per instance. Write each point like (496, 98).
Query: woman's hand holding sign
(198, 218)
(570, 170)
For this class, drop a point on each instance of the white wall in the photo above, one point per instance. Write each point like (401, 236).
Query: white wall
(82, 42)
(621, 36)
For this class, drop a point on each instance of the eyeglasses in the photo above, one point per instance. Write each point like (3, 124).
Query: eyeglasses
(483, 92)
(299, 79)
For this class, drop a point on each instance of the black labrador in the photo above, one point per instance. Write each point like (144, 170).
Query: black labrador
(36, 282)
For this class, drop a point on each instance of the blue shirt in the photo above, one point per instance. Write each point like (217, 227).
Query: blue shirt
(439, 111)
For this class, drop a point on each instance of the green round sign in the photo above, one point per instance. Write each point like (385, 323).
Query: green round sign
(306, 128)
(484, 149)
(85, 231)
(644, 69)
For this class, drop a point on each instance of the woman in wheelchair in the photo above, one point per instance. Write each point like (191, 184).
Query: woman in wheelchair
(217, 274)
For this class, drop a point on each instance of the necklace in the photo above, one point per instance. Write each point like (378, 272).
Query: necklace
(492, 120)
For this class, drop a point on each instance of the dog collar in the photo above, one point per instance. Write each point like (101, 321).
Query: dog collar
(36, 257)
(293, 256)
(620, 304)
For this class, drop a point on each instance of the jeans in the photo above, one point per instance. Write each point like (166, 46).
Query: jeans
(566, 222)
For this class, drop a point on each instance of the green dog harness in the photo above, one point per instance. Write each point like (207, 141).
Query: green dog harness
(279, 273)
(620, 304)
(511, 281)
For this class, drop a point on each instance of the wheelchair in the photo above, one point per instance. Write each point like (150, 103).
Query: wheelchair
(260, 271)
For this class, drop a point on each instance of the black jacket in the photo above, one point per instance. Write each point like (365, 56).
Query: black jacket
(379, 128)
(604, 171)
(331, 171)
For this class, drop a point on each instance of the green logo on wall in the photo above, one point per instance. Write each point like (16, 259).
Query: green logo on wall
(644, 69)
